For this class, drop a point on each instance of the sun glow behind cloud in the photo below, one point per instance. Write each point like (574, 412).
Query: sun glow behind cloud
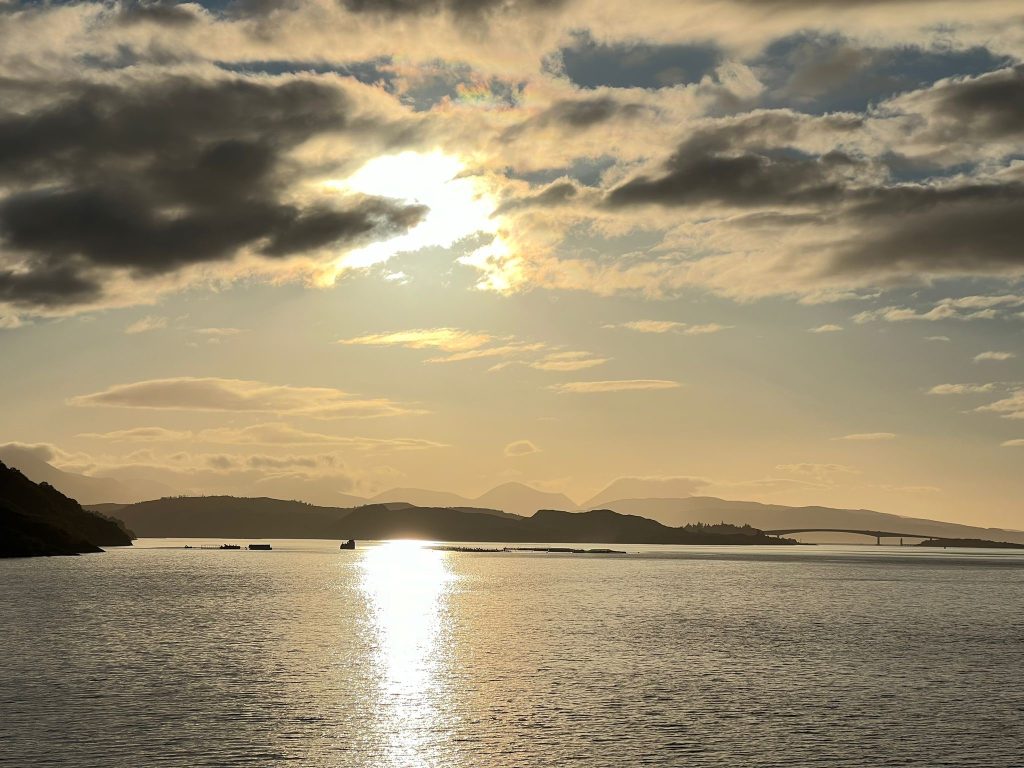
(459, 205)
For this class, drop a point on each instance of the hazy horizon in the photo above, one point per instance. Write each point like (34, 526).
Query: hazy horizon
(759, 251)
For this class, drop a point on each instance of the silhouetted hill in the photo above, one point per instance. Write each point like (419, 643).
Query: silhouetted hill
(707, 509)
(39, 520)
(606, 526)
(231, 517)
(261, 517)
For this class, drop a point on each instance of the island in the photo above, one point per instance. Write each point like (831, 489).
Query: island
(970, 543)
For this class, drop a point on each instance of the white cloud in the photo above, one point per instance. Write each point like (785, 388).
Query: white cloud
(963, 308)
(960, 389)
(996, 356)
(1011, 407)
(827, 328)
(1017, 443)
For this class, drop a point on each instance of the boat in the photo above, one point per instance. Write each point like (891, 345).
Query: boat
(230, 546)
(260, 546)
(350, 544)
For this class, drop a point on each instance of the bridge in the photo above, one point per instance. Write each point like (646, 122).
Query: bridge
(877, 535)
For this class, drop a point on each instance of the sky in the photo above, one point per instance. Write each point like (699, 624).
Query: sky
(759, 250)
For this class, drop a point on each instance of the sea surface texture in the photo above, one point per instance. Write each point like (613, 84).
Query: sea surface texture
(399, 655)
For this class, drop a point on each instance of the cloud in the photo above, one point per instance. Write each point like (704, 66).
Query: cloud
(936, 338)
(718, 165)
(619, 385)
(1011, 407)
(827, 328)
(819, 471)
(960, 389)
(461, 346)
(142, 435)
(131, 180)
(963, 308)
(1017, 443)
(285, 434)
(991, 355)
(669, 326)
(567, 361)
(521, 448)
(147, 323)
(447, 339)
(868, 436)
(219, 333)
(238, 395)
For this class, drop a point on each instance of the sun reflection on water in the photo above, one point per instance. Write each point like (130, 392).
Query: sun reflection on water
(406, 585)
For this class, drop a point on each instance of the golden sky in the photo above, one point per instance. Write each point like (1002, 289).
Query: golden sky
(765, 250)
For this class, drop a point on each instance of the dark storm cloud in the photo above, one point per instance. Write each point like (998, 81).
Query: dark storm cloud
(154, 177)
(950, 225)
(556, 194)
(745, 163)
(990, 106)
(578, 115)
(969, 229)
(590, 64)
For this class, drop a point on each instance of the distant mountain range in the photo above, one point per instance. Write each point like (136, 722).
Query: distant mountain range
(517, 498)
(666, 501)
(36, 519)
(232, 517)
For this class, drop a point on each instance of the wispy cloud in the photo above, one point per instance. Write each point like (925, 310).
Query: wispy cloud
(521, 448)
(239, 395)
(1011, 407)
(995, 356)
(827, 328)
(618, 385)
(963, 308)
(141, 435)
(868, 436)
(460, 346)
(1016, 443)
(447, 339)
(567, 361)
(960, 389)
(669, 326)
(147, 323)
(279, 433)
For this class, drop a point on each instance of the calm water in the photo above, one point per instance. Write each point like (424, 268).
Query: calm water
(395, 655)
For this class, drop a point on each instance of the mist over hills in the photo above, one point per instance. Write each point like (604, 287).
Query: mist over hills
(652, 498)
(517, 498)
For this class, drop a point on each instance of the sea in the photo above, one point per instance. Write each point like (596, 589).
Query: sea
(398, 654)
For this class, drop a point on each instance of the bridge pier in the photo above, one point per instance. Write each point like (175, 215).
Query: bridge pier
(878, 541)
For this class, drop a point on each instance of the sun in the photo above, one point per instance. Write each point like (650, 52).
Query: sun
(459, 204)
